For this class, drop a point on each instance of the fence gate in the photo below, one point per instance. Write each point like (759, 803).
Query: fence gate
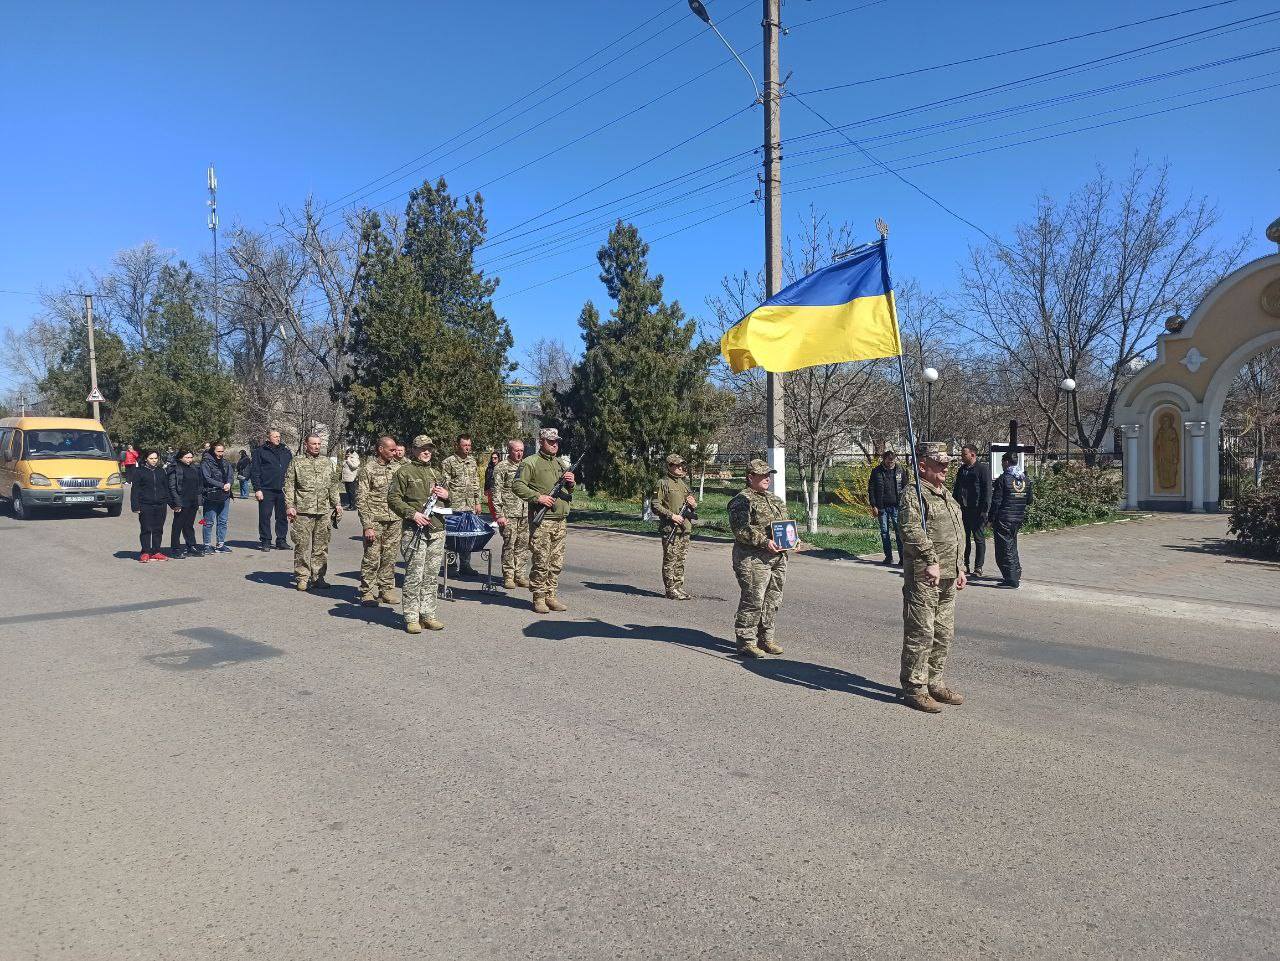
(1230, 468)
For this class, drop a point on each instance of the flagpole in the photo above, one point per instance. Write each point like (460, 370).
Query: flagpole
(883, 228)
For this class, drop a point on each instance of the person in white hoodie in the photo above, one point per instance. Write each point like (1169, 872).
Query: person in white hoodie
(350, 469)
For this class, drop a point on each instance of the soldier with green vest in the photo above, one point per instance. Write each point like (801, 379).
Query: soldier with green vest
(534, 482)
(421, 537)
(932, 573)
(463, 481)
(758, 562)
(380, 525)
(311, 499)
(669, 501)
(511, 514)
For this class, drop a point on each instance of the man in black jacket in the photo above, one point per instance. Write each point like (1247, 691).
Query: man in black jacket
(972, 491)
(267, 470)
(884, 488)
(1010, 497)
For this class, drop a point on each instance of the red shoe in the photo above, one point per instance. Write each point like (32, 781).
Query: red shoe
(144, 558)
(159, 557)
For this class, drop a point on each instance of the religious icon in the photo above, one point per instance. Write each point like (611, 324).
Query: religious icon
(1167, 453)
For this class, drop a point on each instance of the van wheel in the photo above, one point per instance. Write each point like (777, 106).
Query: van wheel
(16, 506)
(113, 510)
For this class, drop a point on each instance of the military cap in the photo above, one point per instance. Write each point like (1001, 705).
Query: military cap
(549, 433)
(759, 468)
(934, 450)
(675, 460)
(421, 441)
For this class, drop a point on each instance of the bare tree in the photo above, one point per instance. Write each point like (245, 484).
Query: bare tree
(549, 364)
(127, 291)
(1082, 289)
(827, 407)
(1252, 407)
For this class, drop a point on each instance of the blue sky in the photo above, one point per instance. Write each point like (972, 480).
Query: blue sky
(111, 114)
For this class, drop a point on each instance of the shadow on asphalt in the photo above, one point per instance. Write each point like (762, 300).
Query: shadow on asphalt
(621, 589)
(1223, 548)
(382, 615)
(222, 649)
(271, 578)
(815, 677)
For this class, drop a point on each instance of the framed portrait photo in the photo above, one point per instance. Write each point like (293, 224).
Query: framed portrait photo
(785, 535)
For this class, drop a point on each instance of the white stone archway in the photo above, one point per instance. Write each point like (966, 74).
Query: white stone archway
(1194, 368)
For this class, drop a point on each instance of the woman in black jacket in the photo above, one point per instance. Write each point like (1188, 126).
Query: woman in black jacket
(184, 498)
(149, 499)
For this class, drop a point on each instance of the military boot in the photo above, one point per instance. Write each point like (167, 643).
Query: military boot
(940, 692)
(509, 583)
(412, 627)
(391, 597)
(301, 585)
(769, 646)
(682, 596)
(432, 624)
(540, 605)
(368, 602)
(749, 650)
(522, 581)
(918, 698)
(555, 604)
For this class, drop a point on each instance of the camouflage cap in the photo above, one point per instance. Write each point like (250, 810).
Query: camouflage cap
(934, 450)
(549, 433)
(421, 442)
(675, 460)
(759, 468)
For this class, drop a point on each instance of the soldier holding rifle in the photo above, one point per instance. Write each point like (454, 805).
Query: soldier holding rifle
(675, 506)
(415, 490)
(544, 484)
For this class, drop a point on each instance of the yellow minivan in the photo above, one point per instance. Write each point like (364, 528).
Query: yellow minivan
(58, 463)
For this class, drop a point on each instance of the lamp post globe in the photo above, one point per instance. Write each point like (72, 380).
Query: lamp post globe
(1068, 384)
(930, 376)
(1068, 387)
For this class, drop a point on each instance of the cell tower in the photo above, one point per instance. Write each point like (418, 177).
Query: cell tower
(213, 226)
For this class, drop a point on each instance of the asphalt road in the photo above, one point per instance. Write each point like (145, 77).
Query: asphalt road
(201, 763)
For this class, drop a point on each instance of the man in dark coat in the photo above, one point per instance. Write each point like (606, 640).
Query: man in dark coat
(185, 485)
(972, 491)
(269, 465)
(884, 489)
(1010, 497)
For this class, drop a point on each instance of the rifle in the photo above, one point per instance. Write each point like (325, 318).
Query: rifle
(559, 492)
(686, 513)
(427, 508)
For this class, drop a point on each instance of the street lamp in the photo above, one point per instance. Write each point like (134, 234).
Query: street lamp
(1068, 387)
(930, 376)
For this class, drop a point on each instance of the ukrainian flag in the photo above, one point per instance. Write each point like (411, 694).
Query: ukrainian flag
(839, 313)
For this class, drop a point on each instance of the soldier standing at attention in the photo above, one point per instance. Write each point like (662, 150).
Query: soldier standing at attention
(535, 479)
(421, 538)
(758, 562)
(669, 500)
(512, 517)
(310, 498)
(931, 575)
(380, 524)
(1011, 495)
(459, 470)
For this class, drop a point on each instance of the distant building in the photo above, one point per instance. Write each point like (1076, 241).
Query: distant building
(526, 401)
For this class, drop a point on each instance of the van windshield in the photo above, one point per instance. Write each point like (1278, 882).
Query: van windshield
(67, 443)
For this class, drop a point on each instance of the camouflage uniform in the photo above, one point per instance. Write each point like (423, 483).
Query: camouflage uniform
(668, 500)
(761, 574)
(378, 566)
(515, 534)
(463, 482)
(537, 475)
(928, 611)
(311, 488)
(410, 490)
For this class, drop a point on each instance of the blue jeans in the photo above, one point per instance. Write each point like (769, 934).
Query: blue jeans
(218, 515)
(888, 516)
(244, 487)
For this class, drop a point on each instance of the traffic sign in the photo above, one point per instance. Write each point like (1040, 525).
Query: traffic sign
(95, 397)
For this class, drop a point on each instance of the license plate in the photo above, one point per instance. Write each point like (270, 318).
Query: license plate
(79, 499)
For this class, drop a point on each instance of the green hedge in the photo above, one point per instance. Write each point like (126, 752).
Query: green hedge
(1069, 495)
(1255, 517)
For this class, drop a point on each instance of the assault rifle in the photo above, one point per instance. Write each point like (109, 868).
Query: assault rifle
(686, 513)
(560, 492)
(427, 508)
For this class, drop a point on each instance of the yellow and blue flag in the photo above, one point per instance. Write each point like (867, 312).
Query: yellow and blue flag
(839, 313)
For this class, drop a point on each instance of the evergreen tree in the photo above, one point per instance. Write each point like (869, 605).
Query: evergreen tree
(179, 395)
(427, 351)
(65, 387)
(640, 389)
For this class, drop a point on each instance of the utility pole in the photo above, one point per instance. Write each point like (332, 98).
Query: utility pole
(775, 407)
(213, 226)
(93, 360)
